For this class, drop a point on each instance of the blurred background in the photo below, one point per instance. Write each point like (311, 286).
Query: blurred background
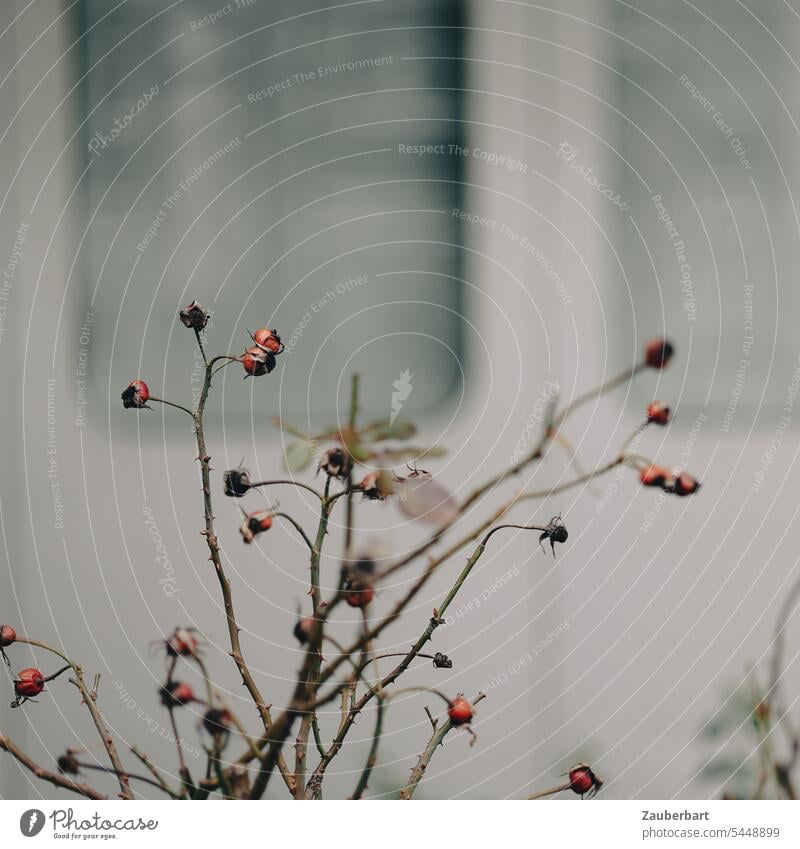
(491, 196)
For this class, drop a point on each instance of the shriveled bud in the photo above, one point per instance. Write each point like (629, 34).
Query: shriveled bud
(336, 463)
(684, 484)
(442, 661)
(181, 643)
(68, 764)
(236, 482)
(254, 524)
(217, 722)
(556, 531)
(194, 316)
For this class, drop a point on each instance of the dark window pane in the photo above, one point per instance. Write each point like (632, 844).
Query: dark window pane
(262, 173)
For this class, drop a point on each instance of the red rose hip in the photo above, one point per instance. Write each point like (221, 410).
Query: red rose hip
(29, 683)
(175, 694)
(658, 413)
(136, 395)
(7, 636)
(460, 711)
(582, 779)
(257, 361)
(658, 353)
(359, 594)
(654, 476)
(268, 339)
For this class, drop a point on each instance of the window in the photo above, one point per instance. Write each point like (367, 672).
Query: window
(258, 156)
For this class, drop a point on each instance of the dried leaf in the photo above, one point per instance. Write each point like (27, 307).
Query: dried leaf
(423, 499)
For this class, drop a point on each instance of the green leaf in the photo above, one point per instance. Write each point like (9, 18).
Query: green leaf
(298, 456)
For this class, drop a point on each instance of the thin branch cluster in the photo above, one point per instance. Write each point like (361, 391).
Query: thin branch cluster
(356, 461)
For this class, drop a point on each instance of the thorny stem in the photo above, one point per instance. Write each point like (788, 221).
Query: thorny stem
(301, 745)
(89, 699)
(350, 504)
(224, 582)
(383, 700)
(437, 739)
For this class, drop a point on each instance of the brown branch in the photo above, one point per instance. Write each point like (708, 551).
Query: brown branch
(225, 584)
(54, 778)
(551, 791)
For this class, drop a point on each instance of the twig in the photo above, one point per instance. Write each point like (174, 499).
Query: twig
(131, 776)
(171, 404)
(289, 482)
(224, 582)
(146, 762)
(350, 503)
(186, 777)
(619, 380)
(550, 791)
(373, 751)
(53, 778)
(200, 346)
(297, 526)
